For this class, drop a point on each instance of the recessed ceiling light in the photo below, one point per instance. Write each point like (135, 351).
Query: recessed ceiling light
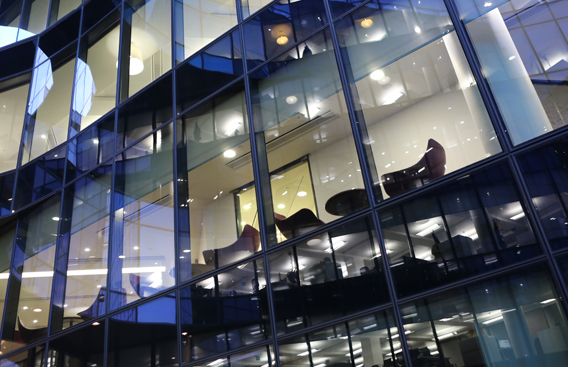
(229, 153)
(302, 193)
(37, 309)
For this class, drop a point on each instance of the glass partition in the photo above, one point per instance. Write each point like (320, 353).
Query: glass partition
(200, 22)
(423, 113)
(299, 109)
(34, 18)
(471, 226)
(6, 192)
(225, 312)
(34, 356)
(310, 278)
(12, 114)
(142, 252)
(251, 6)
(28, 304)
(513, 320)
(149, 44)
(217, 198)
(49, 103)
(7, 238)
(546, 174)
(522, 49)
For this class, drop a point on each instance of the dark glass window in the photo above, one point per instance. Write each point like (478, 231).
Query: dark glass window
(546, 174)
(225, 312)
(144, 336)
(332, 274)
(81, 348)
(470, 226)
(513, 320)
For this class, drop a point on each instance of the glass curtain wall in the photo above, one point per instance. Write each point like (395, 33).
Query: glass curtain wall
(523, 51)
(142, 252)
(12, 114)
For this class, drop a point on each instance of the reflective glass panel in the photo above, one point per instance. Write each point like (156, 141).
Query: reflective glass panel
(27, 313)
(12, 114)
(300, 112)
(10, 22)
(142, 254)
(144, 336)
(546, 174)
(251, 6)
(424, 116)
(199, 22)
(514, 320)
(280, 26)
(95, 80)
(31, 357)
(7, 237)
(40, 178)
(85, 237)
(6, 192)
(523, 52)
(208, 71)
(150, 44)
(474, 225)
(49, 102)
(81, 348)
(34, 18)
(217, 199)
(330, 275)
(225, 312)
(60, 8)
(94, 146)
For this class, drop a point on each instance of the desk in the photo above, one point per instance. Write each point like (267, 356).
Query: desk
(347, 202)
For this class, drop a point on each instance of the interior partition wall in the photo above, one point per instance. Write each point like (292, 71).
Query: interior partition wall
(318, 183)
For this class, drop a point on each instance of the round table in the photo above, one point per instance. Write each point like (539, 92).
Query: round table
(347, 202)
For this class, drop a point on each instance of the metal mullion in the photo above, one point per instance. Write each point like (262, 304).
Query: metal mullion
(258, 191)
(24, 128)
(58, 249)
(483, 85)
(472, 280)
(353, 118)
(12, 255)
(539, 231)
(77, 54)
(392, 291)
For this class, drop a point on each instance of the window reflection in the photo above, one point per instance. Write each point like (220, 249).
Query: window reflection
(524, 54)
(60, 8)
(280, 26)
(225, 312)
(471, 226)
(410, 75)
(144, 336)
(48, 108)
(12, 114)
(299, 107)
(142, 257)
(369, 340)
(32, 357)
(545, 171)
(150, 44)
(7, 237)
(95, 79)
(27, 313)
(82, 348)
(510, 321)
(221, 204)
(201, 22)
(309, 278)
(87, 208)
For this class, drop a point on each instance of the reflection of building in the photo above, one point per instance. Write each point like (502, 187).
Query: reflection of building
(319, 183)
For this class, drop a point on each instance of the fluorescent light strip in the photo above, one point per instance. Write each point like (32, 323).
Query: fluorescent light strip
(548, 301)
(76, 273)
(518, 216)
(428, 230)
(216, 362)
(445, 336)
(354, 352)
(308, 352)
(490, 321)
(395, 352)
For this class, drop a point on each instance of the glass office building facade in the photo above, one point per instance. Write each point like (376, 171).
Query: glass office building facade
(289, 183)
